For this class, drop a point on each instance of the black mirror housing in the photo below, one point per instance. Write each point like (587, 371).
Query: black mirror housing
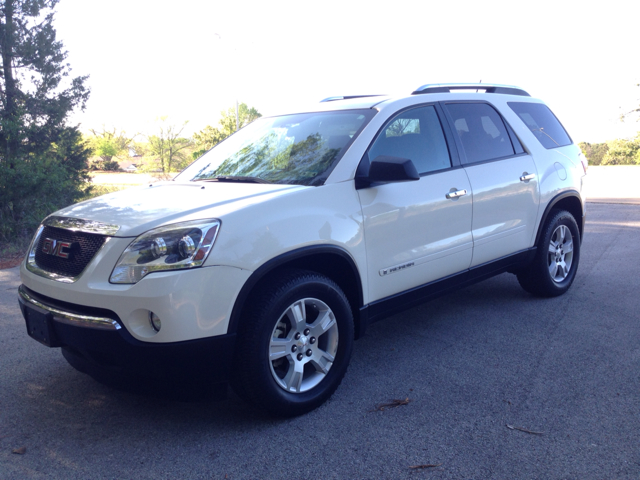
(388, 169)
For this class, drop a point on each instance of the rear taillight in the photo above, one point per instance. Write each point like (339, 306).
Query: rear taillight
(584, 162)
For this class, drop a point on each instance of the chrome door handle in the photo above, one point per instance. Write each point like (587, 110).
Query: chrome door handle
(527, 176)
(456, 193)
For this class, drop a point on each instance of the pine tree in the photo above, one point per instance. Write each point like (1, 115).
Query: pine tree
(37, 95)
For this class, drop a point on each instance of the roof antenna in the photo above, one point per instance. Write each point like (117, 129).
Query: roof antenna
(477, 90)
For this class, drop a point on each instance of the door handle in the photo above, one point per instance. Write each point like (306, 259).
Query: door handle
(527, 176)
(456, 193)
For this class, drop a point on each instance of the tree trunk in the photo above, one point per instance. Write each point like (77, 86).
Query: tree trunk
(9, 120)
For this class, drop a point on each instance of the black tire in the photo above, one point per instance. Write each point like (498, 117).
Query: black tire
(554, 267)
(302, 377)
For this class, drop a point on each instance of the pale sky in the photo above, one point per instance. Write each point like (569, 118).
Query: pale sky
(191, 59)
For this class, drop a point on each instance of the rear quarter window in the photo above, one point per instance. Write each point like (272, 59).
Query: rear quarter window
(543, 124)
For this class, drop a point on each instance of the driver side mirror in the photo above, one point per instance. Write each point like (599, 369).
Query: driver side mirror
(388, 169)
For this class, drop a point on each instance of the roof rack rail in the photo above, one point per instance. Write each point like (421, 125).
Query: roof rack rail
(486, 87)
(347, 97)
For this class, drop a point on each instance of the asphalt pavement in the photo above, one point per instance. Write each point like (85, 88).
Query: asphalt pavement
(494, 383)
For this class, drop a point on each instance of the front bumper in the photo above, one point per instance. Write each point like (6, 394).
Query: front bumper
(193, 303)
(94, 342)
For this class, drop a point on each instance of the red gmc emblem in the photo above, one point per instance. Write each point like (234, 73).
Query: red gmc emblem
(56, 248)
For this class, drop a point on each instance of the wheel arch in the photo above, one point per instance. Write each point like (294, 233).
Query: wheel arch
(331, 261)
(569, 201)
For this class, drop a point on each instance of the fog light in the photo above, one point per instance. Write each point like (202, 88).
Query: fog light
(155, 322)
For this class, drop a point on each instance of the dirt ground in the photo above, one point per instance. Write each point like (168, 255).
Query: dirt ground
(11, 261)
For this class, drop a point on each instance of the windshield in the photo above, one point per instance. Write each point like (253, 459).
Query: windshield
(299, 149)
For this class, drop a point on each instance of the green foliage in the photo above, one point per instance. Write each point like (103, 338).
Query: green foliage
(210, 136)
(139, 148)
(623, 152)
(613, 152)
(35, 99)
(594, 152)
(15, 249)
(42, 183)
(105, 149)
(206, 139)
(43, 161)
(110, 166)
(107, 144)
(168, 150)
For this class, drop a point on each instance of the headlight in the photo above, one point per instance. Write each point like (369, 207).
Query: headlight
(172, 247)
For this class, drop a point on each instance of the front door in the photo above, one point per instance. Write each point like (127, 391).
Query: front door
(416, 232)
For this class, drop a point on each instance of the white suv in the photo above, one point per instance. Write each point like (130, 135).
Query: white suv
(263, 260)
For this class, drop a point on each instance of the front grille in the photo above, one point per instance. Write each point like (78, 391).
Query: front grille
(83, 248)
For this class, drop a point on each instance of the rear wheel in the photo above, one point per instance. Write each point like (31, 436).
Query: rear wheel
(294, 344)
(556, 262)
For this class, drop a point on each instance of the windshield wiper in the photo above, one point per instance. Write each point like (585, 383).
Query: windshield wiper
(232, 178)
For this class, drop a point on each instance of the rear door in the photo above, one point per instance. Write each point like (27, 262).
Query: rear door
(503, 179)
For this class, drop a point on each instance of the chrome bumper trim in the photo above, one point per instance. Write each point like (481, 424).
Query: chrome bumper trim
(69, 318)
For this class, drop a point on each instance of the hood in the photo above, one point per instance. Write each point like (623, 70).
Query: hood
(139, 209)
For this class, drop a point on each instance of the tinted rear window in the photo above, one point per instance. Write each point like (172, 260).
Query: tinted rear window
(542, 123)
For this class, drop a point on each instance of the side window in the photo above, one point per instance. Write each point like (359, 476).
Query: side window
(481, 130)
(415, 134)
(542, 123)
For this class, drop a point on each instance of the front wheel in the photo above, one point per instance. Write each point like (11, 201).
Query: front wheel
(294, 344)
(556, 262)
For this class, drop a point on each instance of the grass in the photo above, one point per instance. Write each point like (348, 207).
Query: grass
(103, 189)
